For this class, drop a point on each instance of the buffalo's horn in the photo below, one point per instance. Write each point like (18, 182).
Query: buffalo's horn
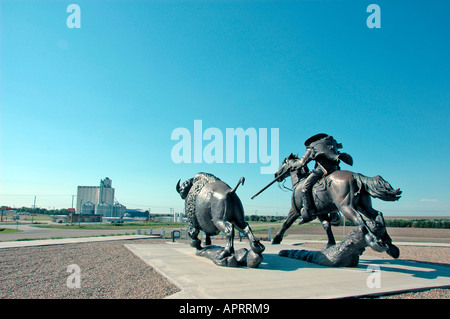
(178, 186)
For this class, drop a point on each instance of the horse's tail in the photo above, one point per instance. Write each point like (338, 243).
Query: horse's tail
(241, 181)
(377, 187)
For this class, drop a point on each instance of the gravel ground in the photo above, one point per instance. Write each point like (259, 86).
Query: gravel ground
(110, 271)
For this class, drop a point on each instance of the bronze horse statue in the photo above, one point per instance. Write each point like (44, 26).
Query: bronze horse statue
(341, 191)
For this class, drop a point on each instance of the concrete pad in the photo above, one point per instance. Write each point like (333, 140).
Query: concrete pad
(61, 241)
(285, 278)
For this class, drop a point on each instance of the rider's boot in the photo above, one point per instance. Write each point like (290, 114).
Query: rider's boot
(308, 210)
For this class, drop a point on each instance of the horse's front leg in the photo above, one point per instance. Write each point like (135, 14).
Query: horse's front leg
(327, 226)
(292, 217)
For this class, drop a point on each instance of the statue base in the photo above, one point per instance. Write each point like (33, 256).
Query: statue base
(241, 257)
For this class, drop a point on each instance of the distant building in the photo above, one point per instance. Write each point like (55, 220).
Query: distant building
(88, 208)
(118, 210)
(87, 194)
(99, 200)
(106, 192)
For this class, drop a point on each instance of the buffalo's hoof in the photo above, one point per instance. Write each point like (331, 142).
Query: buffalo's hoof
(197, 244)
(257, 247)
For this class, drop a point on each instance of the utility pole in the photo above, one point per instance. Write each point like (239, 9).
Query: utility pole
(79, 215)
(72, 212)
(34, 210)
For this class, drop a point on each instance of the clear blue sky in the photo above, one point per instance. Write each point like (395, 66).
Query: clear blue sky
(79, 105)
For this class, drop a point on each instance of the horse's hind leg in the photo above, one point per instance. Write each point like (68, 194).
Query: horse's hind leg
(292, 217)
(365, 206)
(327, 226)
(371, 239)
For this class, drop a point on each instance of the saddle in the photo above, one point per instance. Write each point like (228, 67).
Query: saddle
(322, 184)
(318, 191)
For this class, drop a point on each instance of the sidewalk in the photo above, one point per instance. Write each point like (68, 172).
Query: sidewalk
(285, 278)
(61, 241)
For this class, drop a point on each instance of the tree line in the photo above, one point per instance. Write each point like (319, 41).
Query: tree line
(264, 219)
(44, 211)
(412, 223)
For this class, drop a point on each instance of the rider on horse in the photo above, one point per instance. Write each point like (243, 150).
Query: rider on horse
(323, 149)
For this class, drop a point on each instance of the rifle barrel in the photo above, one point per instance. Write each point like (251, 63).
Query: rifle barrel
(265, 187)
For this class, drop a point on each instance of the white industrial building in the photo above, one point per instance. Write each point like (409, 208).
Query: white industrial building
(87, 194)
(99, 200)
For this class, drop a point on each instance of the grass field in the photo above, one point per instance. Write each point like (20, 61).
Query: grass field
(8, 230)
(110, 226)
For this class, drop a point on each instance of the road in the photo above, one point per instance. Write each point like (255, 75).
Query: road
(31, 232)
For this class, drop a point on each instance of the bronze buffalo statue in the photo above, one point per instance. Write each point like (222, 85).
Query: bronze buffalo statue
(212, 206)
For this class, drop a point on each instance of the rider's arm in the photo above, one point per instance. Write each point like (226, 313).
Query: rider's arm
(304, 160)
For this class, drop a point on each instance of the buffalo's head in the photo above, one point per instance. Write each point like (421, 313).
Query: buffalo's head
(184, 188)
